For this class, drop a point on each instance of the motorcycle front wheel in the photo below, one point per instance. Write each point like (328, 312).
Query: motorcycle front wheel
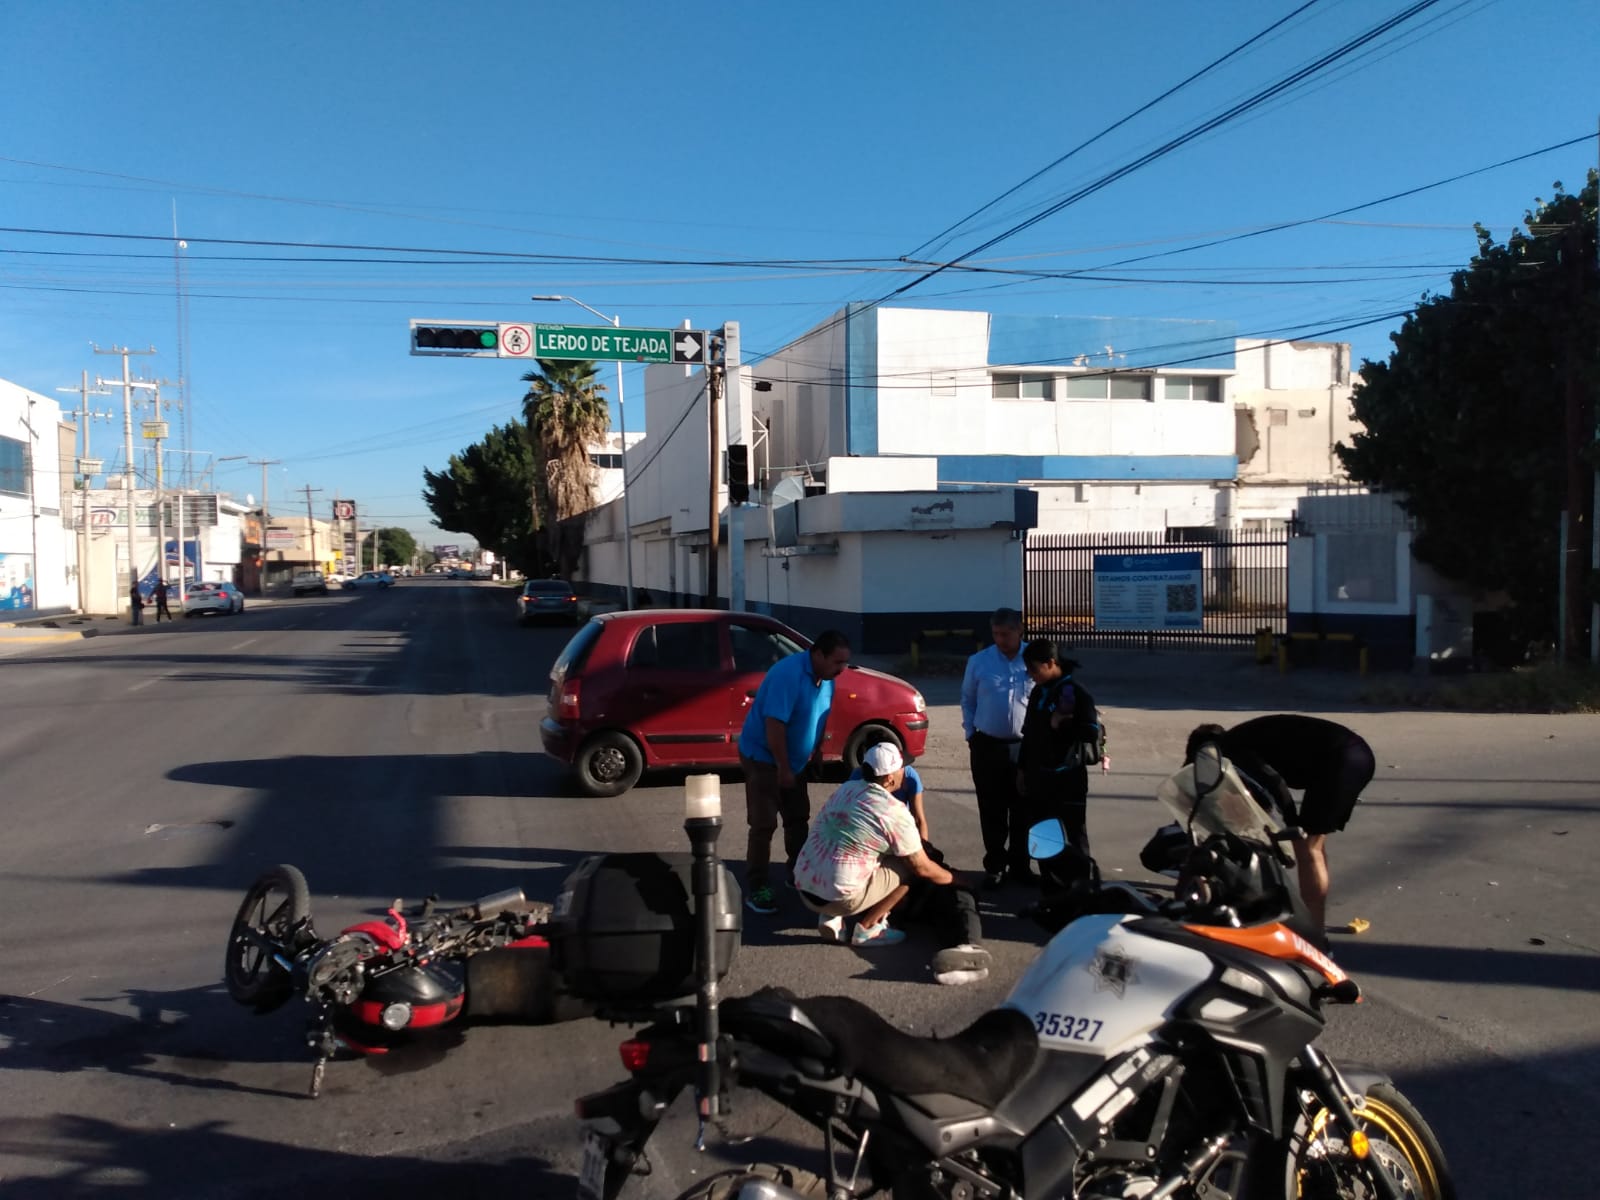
(275, 908)
(776, 1180)
(1323, 1166)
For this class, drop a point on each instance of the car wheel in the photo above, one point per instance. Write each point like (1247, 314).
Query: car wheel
(608, 764)
(868, 735)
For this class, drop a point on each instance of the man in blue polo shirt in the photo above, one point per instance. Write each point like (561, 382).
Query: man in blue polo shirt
(782, 734)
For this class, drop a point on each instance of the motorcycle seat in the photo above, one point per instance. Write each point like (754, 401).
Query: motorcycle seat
(771, 1018)
(980, 1064)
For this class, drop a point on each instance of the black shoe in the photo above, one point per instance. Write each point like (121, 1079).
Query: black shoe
(993, 880)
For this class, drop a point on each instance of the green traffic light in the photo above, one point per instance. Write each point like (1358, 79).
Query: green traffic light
(489, 339)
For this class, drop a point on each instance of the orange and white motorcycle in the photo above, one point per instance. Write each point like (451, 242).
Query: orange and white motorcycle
(1160, 1047)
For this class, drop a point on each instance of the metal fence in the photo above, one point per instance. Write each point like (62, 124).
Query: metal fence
(1244, 572)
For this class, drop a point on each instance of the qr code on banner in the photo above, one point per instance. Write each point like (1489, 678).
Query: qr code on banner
(1182, 597)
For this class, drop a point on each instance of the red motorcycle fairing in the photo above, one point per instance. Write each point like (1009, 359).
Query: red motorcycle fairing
(370, 1012)
(385, 934)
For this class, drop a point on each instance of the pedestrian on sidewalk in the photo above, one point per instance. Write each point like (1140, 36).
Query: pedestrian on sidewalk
(994, 702)
(1330, 762)
(161, 601)
(781, 737)
(135, 603)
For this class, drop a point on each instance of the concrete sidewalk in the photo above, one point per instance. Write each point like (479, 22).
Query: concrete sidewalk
(74, 626)
(1218, 680)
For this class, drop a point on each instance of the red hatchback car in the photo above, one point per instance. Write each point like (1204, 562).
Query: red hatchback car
(670, 688)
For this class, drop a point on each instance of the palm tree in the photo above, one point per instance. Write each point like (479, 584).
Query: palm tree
(565, 411)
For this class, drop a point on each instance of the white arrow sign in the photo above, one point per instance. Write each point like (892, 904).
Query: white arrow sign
(687, 348)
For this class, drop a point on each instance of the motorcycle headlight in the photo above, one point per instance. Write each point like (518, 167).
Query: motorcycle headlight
(396, 1016)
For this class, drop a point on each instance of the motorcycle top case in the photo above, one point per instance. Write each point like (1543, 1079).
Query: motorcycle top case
(623, 928)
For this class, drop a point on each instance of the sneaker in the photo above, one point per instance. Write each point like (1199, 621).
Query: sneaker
(760, 900)
(877, 935)
(966, 963)
(831, 929)
(957, 978)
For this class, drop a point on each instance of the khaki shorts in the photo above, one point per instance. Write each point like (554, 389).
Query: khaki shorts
(890, 874)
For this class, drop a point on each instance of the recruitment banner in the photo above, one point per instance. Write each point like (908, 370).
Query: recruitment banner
(1148, 591)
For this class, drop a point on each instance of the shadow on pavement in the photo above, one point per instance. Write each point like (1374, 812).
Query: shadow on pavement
(106, 1158)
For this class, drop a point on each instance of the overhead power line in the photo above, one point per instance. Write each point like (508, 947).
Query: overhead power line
(940, 237)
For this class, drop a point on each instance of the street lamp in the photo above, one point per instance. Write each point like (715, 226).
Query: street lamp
(622, 424)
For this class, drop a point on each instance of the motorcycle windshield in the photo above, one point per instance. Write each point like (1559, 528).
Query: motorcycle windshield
(1229, 808)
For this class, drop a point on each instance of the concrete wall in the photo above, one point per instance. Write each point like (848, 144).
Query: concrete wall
(1296, 397)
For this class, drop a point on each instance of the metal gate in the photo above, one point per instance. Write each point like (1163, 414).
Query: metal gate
(1245, 574)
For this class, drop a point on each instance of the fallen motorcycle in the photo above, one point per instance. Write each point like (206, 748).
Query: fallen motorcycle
(1161, 1046)
(377, 982)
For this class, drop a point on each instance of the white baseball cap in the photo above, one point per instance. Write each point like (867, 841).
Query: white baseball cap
(883, 759)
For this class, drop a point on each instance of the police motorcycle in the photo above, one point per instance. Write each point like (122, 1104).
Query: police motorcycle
(1159, 1047)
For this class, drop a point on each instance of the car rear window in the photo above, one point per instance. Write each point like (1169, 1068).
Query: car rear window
(205, 587)
(549, 585)
(676, 646)
(576, 653)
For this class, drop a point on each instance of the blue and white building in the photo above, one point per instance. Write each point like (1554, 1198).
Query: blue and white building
(899, 457)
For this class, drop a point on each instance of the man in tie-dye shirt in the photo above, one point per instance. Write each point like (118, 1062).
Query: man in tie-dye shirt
(863, 857)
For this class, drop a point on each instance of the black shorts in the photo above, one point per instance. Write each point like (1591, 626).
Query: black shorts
(1328, 803)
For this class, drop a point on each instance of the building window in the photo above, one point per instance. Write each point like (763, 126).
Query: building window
(1023, 387)
(1192, 387)
(14, 473)
(1104, 387)
(1361, 567)
(607, 462)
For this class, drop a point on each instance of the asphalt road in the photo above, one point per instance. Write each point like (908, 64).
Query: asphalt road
(387, 744)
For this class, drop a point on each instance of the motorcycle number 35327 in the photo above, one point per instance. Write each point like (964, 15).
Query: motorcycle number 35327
(1067, 1027)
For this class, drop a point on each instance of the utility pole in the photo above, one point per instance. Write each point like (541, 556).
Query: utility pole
(1574, 580)
(714, 507)
(128, 385)
(264, 463)
(1594, 512)
(311, 522)
(738, 489)
(85, 474)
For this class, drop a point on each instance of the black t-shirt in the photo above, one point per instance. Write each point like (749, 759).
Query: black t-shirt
(1285, 751)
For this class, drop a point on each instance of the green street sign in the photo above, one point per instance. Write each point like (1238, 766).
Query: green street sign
(605, 343)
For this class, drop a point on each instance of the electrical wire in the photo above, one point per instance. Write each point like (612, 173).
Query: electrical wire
(943, 235)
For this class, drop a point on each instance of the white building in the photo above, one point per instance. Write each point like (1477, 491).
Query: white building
(38, 568)
(1291, 401)
(1067, 424)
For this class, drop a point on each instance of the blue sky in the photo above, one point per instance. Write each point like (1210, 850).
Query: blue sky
(681, 138)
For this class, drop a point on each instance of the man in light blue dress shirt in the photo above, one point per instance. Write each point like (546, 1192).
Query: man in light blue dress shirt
(994, 702)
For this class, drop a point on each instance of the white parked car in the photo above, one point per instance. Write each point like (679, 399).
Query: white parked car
(213, 598)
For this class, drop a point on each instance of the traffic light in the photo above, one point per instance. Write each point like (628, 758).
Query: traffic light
(738, 474)
(457, 339)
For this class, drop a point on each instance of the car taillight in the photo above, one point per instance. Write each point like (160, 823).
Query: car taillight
(572, 599)
(635, 1054)
(567, 702)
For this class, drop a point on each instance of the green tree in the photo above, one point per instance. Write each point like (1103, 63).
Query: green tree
(565, 411)
(486, 492)
(396, 547)
(1469, 418)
